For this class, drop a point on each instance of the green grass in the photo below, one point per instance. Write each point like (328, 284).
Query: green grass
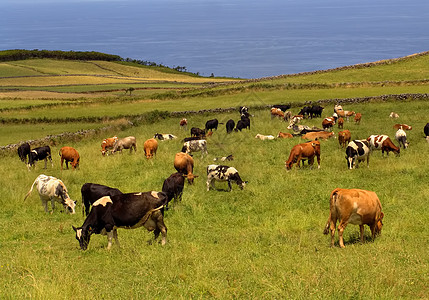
(263, 242)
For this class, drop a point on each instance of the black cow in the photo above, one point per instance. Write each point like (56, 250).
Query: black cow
(195, 131)
(24, 151)
(212, 124)
(127, 211)
(173, 186)
(91, 192)
(316, 111)
(357, 151)
(243, 124)
(230, 126)
(305, 111)
(283, 107)
(426, 130)
(39, 154)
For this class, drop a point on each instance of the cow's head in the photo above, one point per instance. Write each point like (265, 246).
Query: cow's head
(83, 235)
(158, 136)
(69, 204)
(190, 177)
(379, 224)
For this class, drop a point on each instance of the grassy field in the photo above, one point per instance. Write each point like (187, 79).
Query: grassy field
(263, 242)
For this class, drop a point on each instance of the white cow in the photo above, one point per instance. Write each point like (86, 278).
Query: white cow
(194, 146)
(53, 189)
(223, 173)
(264, 137)
(401, 137)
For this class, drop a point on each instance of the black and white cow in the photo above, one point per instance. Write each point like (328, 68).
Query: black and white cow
(230, 124)
(243, 123)
(91, 192)
(164, 136)
(173, 186)
(223, 173)
(53, 189)
(39, 154)
(244, 111)
(357, 151)
(426, 130)
(24, 151)
(224, 158)
(401, 137)
(194, 146)
(127, 211)
(212, 124)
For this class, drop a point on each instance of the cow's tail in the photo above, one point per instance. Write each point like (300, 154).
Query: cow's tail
(150, 212)
(59, 153)
(333, 199)
(31, 189)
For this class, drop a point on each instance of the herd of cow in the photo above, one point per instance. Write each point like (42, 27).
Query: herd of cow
(112, 209)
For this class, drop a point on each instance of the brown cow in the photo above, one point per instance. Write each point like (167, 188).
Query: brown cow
(383, 143)
(306, 150)
(358, 117)
(354, 206)
(284, 135)
(150, 146)
(184, 164)
(277, 112)
(340, 123)
(344, 137)
(327, 123)
(108, 144)
(402, 126)
(184, 124)
(69, 154)
(318, 135)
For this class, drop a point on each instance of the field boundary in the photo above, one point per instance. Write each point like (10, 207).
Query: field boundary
(155, 116)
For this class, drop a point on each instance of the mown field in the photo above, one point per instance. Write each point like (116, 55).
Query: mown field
(262, 242)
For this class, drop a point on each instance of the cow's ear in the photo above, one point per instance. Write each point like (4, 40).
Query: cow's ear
(74, 228)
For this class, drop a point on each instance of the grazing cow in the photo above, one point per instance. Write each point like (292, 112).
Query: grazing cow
(69, 154)
(383, 143)
(164, 136)
(150, 146)
(223, 173)
(316, 111)
(340, 123)
(401, 137)
(357, 151)
(107, 144)
(212, 124)
(244, 111)
(53, 189)
(308, 151)
(402, 126)
(288, 115)
(393, 115)
(230, 124)
(277, 112)
(24, 151)
(284, 135)
(344, 137)
(194, 146)
(426, 131)
(224, 158)
(348, 114)
(127, 211)
(338, 108)
(264, 137)
(358, 117)
(354, 206)
(305, 111)
(318, 135)
(243, 124)
(184, 164)
(91, 192)
(173, 187)
(195, 131)
(282, 107)
(328, 123)
(39, 153)
(125, 143)
(184, 124)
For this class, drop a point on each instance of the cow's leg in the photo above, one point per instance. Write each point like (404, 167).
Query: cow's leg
(67, 164)
(46, 162)
(109, 239)
(229, 185)
(44, 203)
(341, 228)
(115, 236)
(209, 183)
(367, 161)
(361, 233)
(62, 161)
(160, 227)
(332, 225)
(298, 159)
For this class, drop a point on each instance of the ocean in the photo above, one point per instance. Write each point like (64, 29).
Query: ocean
(247, 39)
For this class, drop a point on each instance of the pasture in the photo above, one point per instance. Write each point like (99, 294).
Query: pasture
(262, 242)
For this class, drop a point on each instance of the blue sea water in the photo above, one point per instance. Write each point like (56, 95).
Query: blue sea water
(248, 39)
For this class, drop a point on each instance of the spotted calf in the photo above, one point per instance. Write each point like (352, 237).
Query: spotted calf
(223, 173)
